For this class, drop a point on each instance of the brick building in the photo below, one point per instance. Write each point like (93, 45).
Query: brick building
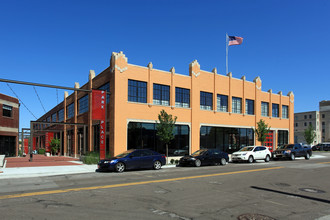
(9, 125)
(213, 111)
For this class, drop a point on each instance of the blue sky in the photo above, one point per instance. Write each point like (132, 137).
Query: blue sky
(58, 42)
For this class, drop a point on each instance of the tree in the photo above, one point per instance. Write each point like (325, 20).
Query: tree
(55, 145)
(165, 128)
(309, 135)
(261, 131)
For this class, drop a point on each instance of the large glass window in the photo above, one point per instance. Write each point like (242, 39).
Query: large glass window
(226, 139)
(222, 103)
(83, 104)
(143, 136)
(7, 110)
(161, 94)
(61, 115)
(236, 105)
(249, 106)
(264, 109)
(182, 97)
(206, 101)
(137, 91)
(282, 137)
(54, 117)
(70, 110)
(285, 111)
(275, 110)
(106, 87)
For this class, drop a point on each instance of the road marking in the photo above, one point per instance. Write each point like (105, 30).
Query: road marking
(130, 184)
(324, 162)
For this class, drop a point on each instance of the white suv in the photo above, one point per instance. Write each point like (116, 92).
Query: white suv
(251, 153)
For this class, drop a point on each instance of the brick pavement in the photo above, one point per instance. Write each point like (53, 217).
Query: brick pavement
(40, 161)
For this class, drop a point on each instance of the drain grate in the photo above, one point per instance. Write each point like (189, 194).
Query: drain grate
(311, 190)
(251, 216)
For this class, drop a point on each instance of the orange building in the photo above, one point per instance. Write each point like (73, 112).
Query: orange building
(213, 110)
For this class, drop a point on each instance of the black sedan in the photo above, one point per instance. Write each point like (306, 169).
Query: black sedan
(205, 157)
(133, 159)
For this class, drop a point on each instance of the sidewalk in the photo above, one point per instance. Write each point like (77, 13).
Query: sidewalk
(21, 167)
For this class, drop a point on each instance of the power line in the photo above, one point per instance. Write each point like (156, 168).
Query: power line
(21, 101)
(39, 98)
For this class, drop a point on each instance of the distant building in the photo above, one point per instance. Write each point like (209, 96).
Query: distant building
(320, 120)
(9, 123)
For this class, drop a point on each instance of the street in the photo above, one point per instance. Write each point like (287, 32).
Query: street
(279, 189)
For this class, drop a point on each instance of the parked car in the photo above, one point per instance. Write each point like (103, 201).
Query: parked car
(251, 153)
(321, 147)
(133, 159)
(205, 157)
(292, 151)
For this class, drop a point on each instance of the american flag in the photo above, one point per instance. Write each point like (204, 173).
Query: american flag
(235, 40)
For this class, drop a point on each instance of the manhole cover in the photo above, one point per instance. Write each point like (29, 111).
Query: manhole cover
(282, 184)
(251, 216)
(311, 190)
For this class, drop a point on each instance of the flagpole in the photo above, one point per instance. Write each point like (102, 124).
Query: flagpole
(226, 53)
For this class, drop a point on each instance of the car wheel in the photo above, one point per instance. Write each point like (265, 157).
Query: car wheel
(157, 165)
(267, 159)
(120, 167)
(307, 156)
(292, 157)
(198, 163)
(223, 161)
(250, 160)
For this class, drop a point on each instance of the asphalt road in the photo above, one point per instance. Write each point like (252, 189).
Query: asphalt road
(297, 189)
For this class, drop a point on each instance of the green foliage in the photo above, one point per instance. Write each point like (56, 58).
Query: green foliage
(176, 161)
(309, 135)
(172, 161)
(20, 153)
(261, 131)
(91, 158)
(165, 126)
(41, 151)
(55, 145)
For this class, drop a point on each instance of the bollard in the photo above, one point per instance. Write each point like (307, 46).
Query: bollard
(31, 157)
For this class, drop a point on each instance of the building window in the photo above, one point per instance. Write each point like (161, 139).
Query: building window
(106, 87)
(296, 124)
(206, 101)
(54, 117)
(48, 119)
(264, 109)
(70, 110)
(310, 116)
(83, 104)
(285, 111)
(182, 97)
(282, 137)
(236, 105)
(323, 115)
(137, 91)
(310, 123)
(222, 103)
(275, 110)
(323, 123)
(161, 94)
(61, 115)
(249, 107)
(305, 123)
(305, 116)
(7, 110)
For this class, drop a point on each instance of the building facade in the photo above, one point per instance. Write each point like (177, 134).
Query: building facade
(320, 120)
(213, 111)
(9, 125)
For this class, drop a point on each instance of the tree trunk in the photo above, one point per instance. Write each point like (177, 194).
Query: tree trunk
(166, 153)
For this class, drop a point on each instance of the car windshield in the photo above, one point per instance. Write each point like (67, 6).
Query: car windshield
(124, 154)
(246, 149)
(199, 152)
(286, 146)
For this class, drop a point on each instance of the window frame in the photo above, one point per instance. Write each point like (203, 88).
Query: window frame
(137, 91)
(236, 105)
(263, 104)
(206, 98)
(220, 100)
(163, 93)
(249, 102)
(182, 97)
(83, 104)
(7, 109)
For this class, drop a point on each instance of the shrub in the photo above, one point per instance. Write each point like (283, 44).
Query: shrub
(172, 161)
(176, 161)
(41, 151)
(91, 158)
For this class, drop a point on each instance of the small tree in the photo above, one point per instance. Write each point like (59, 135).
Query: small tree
(165, 128)
(261, 131)
(55, 145)
(309, 135)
